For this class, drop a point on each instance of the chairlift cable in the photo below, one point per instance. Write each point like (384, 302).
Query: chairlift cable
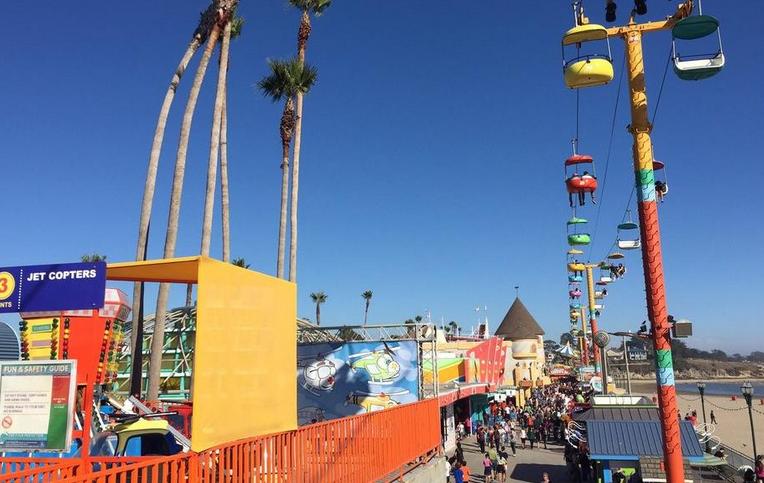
(660, 91)
(609, 152)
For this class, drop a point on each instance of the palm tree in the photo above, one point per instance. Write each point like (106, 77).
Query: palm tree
(212, 159)
(367, 295)
(316, 7)
(171, 237)
(287, 78)
(240, 262)
(318, 299)
(454, 327)
(93, 257)
(206, 21)
(237, 24)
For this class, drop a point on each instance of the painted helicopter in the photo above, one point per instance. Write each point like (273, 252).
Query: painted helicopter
(317, 373)
(374, 401)
(380, 365)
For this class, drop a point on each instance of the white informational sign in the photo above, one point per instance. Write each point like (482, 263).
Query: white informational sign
(37, 401)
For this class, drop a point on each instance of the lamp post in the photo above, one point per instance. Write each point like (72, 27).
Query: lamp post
(747, 390)
(702, 391)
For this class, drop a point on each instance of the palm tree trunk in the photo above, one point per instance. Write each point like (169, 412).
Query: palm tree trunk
(151, 173)
(171, 238)
(366, 313)
(287, 125)
(225, 202)
(318, 314)
(302, 39)
(295, 191)
(212, 164)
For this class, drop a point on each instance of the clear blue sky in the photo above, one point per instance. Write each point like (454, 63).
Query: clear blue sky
(432, 155)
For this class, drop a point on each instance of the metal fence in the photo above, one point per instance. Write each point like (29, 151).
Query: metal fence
(361, 448)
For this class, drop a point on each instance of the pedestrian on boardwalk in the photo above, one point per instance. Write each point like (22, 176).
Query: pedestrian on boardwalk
(531, 436)
(523, 436)
(465, 471)
(487, 468)
(459, 452)
(513, 442)
(713, 417)
(481, 438)
(458, 473)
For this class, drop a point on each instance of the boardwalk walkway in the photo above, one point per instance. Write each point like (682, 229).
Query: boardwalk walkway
(526, 467)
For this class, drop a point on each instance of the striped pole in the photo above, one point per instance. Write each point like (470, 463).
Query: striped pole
(652, 260)
(593, 319)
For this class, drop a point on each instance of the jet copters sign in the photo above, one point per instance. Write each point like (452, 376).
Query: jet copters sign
(65, 286)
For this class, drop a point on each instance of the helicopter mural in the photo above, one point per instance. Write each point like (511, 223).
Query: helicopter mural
(342, 379)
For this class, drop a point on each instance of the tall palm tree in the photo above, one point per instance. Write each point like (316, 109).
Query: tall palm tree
(318, 299)
(367, 295)
(307, 7)
(171, 237)
(212, 159)
(206, 21)
(286, 80)
(237, 24)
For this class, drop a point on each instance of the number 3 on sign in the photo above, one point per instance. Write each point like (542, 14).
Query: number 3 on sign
(7, 285)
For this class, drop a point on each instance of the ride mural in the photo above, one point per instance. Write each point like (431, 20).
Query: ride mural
(340, 379)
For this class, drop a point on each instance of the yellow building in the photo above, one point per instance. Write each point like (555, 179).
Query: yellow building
(524, 341)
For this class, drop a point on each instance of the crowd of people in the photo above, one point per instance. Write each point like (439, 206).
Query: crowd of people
(505, 428)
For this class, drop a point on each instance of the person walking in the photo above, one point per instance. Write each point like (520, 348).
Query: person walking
(532, 436)
(713, 417)
(458, 473)
(465, 471)
(481, 438)
(513, 442)
(523, 436)
(487, 468)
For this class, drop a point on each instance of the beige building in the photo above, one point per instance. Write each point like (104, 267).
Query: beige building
(524, 341)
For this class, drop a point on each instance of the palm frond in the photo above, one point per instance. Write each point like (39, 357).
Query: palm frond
(287, 78)
(314, 6)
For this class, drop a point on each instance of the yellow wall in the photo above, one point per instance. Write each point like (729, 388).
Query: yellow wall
(245, 355)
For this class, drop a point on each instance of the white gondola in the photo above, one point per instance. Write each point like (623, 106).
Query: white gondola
(629, 244)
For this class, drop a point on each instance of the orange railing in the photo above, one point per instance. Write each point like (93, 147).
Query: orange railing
(368, 447)
(37, 470)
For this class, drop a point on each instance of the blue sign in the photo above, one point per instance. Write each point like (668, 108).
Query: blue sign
(41, 288)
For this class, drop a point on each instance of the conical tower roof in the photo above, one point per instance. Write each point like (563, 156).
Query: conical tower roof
(519, 323)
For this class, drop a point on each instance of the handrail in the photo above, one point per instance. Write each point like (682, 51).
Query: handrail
(365, 447)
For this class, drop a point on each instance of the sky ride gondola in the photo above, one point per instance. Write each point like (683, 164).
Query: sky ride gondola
(586, 69)
(579, 239)
(576, 267)
(627, 240)
(661, 182)
(575, 306)
(615, 256)
(575, 251)
(579, 184)
(575, 278)
(575, 293)
(697, 66)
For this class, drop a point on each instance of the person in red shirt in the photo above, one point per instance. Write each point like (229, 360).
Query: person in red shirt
(465, 471)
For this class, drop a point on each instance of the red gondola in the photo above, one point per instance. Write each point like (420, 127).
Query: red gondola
(580, 183)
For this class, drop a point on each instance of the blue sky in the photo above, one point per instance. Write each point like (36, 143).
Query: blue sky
(432, 155)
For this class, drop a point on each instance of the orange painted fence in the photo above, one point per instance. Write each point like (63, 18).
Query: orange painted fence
(364, 448)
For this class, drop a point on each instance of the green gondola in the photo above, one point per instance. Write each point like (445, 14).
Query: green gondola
(579, 239)
(697, 67)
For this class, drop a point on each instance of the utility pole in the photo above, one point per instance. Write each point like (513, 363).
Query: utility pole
(592, 315)
(626, 359)
(584, 344)
(652, 259)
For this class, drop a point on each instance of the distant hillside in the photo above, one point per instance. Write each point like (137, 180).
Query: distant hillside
(691, 368)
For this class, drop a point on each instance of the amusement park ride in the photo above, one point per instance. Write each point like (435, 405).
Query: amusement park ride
(592, 65)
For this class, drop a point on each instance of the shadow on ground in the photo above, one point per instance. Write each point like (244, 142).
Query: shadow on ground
(531, 472)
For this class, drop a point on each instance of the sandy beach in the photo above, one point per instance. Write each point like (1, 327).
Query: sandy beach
(733, 428)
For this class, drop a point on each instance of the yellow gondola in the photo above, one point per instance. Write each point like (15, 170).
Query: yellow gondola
(576, 267)
(587, 70)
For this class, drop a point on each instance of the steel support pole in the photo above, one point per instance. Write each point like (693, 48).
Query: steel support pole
(626, 359)
(592, 317)
(652, 260)
(584, 345)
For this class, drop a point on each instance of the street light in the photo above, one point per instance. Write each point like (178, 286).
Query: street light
(702, 390)
(747, 390)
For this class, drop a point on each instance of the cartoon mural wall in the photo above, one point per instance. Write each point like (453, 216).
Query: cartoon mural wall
(339, 379)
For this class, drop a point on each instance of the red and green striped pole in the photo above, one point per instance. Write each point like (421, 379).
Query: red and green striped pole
(652, 260)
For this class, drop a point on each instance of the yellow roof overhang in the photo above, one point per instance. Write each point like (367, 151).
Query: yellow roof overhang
(584, 33)
(172, 270)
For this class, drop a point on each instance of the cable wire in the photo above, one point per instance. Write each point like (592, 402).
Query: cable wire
(607, 158)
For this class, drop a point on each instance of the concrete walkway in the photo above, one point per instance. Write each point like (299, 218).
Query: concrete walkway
(526, 467)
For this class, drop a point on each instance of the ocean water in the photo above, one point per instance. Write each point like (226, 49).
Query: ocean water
(726, 388)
